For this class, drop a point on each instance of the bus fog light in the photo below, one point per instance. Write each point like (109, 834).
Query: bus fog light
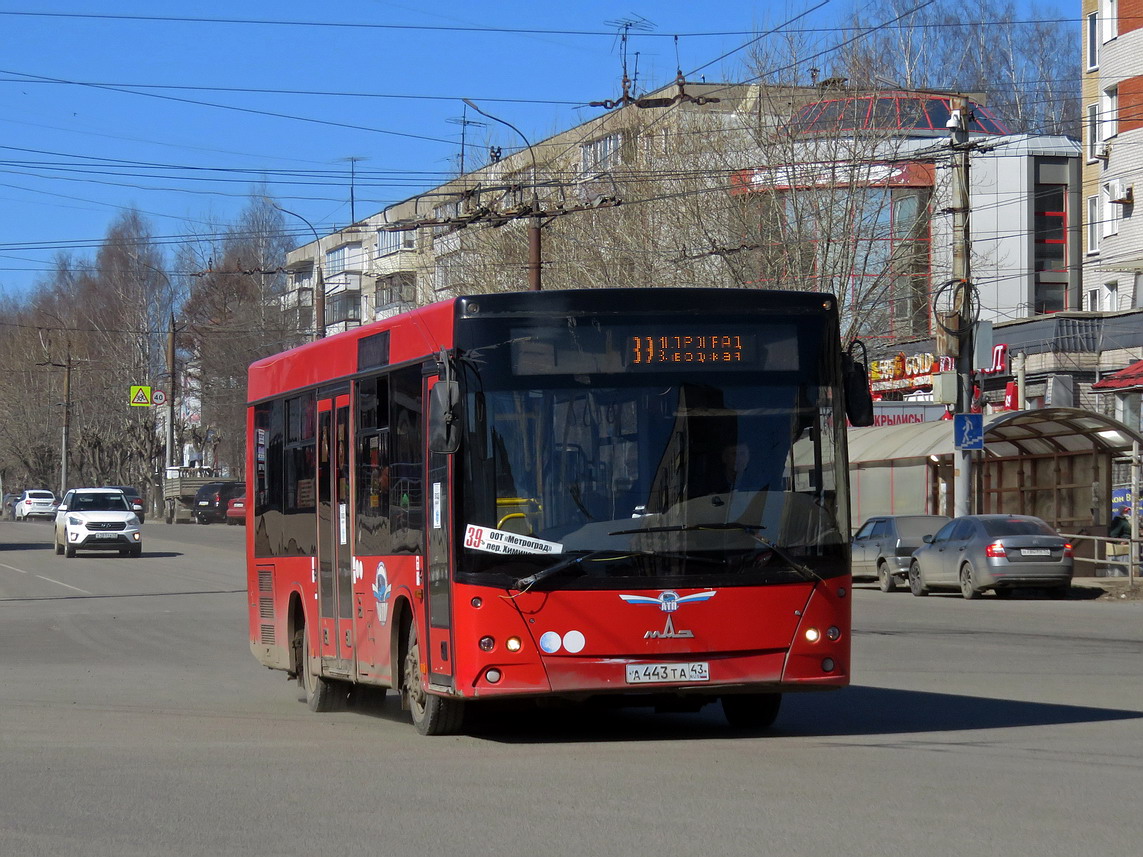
(813, 634)
(833, 632)
(513, 644)
(476, 602)
(828, 665)
(493, 675)
(487, 644)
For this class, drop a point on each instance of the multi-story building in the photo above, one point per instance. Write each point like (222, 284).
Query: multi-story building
(1112, 93)
(809, 188)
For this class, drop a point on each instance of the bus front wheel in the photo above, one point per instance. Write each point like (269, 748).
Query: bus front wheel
(432, 715)
(755, 712)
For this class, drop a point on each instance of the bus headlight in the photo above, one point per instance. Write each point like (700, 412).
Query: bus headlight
(833, 632)
(513, 644)
(487, 644)
(813, 635)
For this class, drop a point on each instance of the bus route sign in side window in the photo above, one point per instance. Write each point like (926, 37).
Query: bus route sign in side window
(615, 350)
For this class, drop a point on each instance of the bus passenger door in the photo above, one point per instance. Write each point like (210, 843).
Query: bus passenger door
(335, 573)
(438, 526)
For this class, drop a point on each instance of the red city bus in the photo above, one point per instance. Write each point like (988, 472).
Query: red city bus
(632, 493)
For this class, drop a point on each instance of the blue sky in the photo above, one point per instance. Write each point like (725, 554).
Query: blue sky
(75, 154)
(182, 119)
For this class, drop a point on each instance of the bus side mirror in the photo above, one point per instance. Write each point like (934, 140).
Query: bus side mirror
(444, 422)
(858, 397)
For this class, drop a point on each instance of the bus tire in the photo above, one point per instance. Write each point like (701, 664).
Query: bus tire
(320, 694)
(754, 712)
(432, 715)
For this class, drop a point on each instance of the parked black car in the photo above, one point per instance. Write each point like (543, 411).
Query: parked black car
(883, 548)
(211, 500)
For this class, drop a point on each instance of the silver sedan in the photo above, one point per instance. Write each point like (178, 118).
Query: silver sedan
(976, 553)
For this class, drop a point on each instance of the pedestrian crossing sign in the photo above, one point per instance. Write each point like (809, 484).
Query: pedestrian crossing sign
(140, 397)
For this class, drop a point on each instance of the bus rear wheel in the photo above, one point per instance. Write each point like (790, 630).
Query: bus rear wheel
(319, 694)
(432, 715)
(754, 712)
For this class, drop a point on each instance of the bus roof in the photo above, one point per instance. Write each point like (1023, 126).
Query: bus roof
(422, 332)
(419, 333)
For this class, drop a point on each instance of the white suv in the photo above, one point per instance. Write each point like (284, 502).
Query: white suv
(97, 519)
(35, 504)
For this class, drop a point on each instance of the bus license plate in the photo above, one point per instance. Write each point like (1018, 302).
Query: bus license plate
(666, 673)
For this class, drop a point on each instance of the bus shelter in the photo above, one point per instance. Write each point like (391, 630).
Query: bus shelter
(1058, 464)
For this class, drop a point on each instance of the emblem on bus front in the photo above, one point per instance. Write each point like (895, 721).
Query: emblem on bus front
(668, 601)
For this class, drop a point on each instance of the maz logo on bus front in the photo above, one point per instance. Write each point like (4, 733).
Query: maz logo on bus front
(669, 602)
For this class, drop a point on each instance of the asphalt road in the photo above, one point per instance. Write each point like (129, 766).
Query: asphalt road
(134, 721)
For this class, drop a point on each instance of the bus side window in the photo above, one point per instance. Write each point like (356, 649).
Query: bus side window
(373, 470)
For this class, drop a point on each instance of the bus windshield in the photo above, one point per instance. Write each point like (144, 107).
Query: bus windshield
(585, 457)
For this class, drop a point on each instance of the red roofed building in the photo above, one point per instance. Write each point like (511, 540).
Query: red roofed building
(1127, 387)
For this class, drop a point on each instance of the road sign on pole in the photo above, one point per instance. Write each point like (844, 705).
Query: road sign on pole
(968, 431)
(140, 396)
(158, 398)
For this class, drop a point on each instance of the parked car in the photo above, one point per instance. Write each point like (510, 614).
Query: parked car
(211, 500)
(976, 553)
(36, 503)
(883, 546)
(236, 511)
(134, 498)
(97, 519)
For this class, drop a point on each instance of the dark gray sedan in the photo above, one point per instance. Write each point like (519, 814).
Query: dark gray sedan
(1002, 553)
(883, 547)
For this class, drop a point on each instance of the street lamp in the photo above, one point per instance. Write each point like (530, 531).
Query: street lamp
(534, 251)
(319, 288)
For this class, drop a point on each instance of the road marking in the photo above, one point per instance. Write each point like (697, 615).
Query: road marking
(48, 579)
(68, 585)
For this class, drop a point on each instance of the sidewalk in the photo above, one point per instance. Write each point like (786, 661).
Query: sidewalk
(1107, 588)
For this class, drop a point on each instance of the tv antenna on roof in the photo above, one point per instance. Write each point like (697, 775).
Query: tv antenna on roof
(463, 121)
(625, 26)
(353, 159)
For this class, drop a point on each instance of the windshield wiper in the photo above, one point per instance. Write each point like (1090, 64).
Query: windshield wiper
(562, 565)
(751, 530)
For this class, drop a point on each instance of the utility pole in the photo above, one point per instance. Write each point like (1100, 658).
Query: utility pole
(171, 394)
(963, 303)
(535, 252)
(65, 439)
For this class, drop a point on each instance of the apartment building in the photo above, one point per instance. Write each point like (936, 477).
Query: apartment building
(1112, 93)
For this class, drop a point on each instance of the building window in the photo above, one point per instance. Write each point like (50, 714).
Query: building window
(1092, 128)
(602, 154)
(1111, 296)
(343, 307)
(1109, 212)
(1091, 300)
(1109, 113)
(1093, 41)
(342, 258)
(1050, 237)
(399, 288)
(1093, 224)
(392, 242)
(1109, 14)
